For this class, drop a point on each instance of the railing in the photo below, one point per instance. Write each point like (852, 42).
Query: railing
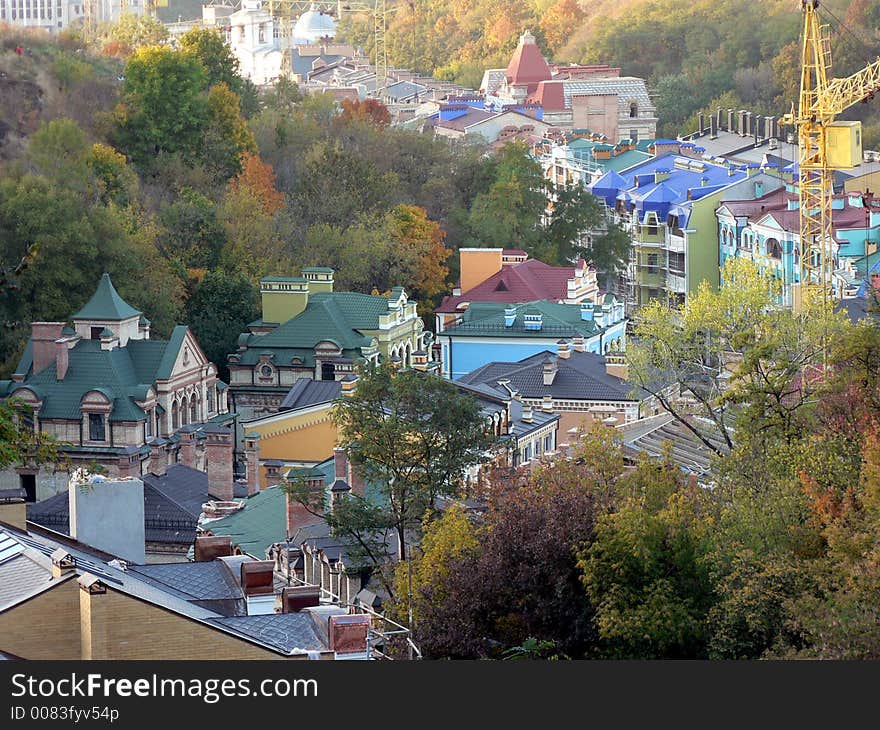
(550, 330)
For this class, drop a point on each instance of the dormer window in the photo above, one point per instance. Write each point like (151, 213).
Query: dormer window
(95, 333)
(97, 427)
(266, 371)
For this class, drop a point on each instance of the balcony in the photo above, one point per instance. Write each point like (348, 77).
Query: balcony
(648, 234)
(676, 283)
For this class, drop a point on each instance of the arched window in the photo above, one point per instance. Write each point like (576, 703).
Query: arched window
(193, 410)
(184, 411)
(175, 416)
(633, 110)
(774, 250)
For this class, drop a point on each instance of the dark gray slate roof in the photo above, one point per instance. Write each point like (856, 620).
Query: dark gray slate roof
(286, 632)
(210, 579)
(307, 392)
(172, 505)
(580, 377)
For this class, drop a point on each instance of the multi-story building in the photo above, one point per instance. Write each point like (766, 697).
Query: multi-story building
(766, 230)
(573, 97)
(494, 331)
(582, 157)
(106, 389)
(309, 331)
(667, 204)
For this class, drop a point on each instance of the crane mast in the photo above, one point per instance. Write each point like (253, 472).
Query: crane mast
(824, 145)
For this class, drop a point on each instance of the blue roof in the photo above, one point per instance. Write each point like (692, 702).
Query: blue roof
(681, 180)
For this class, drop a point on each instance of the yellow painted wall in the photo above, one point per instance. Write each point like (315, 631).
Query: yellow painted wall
(298, 437)
(477, 265)
(46, 626)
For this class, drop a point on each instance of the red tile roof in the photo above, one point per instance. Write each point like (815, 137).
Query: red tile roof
(525, 282)
(550, 95)
(527, 66)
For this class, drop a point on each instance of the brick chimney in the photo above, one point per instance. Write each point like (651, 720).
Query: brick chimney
(158, 457)
(43, 336)
(187, 436)
(208, 547)
(62, 358)
(297, 515)
(218, 447)
(563, 349)
(252, 459)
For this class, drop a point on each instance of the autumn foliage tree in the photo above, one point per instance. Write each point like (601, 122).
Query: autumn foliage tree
(372, 111)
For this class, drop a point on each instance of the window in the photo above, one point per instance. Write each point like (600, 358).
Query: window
(95, 333)
(653, 263)
(633, 110)
(266, 371)
(149, 425)
(211, 399)
(328, 371)
(28, 482)
(193, 411)
(97, 430)
(548, 442)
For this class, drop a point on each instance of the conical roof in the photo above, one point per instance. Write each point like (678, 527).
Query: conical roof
(106, 304)
(527, 66)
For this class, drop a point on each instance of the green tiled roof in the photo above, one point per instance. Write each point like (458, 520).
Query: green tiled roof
(486, 319)
(170, 355)
(123, 374)
(91, 368)
(336, 316)
(263, 521)
(106, 304)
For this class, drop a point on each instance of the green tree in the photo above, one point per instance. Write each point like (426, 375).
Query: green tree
(220, 307)
(226, 135)
(412, 435)
(20, 443)
(646, 570)
(163, 108)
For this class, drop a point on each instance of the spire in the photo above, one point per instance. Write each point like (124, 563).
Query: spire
(527, 65)
(106, 304)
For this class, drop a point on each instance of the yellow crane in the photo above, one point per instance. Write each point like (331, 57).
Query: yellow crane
(824, 145)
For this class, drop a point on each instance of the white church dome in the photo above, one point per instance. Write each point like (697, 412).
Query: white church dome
(314, 25)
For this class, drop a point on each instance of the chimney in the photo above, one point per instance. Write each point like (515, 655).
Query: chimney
(477, 265)
(320, 278)
(551, 366)
(702, 124)
(144, 328)
(252, 460)
(296, 598)
(755, 124)
(340, 464)
(348, 633)
(578, 344)
(713, 127)
(730, 120)
(218, 457)
(187, 451)
(258, 586)
(62, 358)
(108, 514)
(719, 119)
(587, 311)
(208, 547)
(62, 562)
(158, 457)
(283, 298)
(338, 490)
(509, 316)
(563, 349)
(349, 384)
(297, 514)
(420, 360)
(527, 413)
(599, 317)
(43, 337)
(742, 123)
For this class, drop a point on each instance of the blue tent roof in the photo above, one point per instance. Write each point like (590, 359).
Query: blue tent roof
(608, 186)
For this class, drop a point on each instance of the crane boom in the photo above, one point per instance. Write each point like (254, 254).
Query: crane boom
(841, 94)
